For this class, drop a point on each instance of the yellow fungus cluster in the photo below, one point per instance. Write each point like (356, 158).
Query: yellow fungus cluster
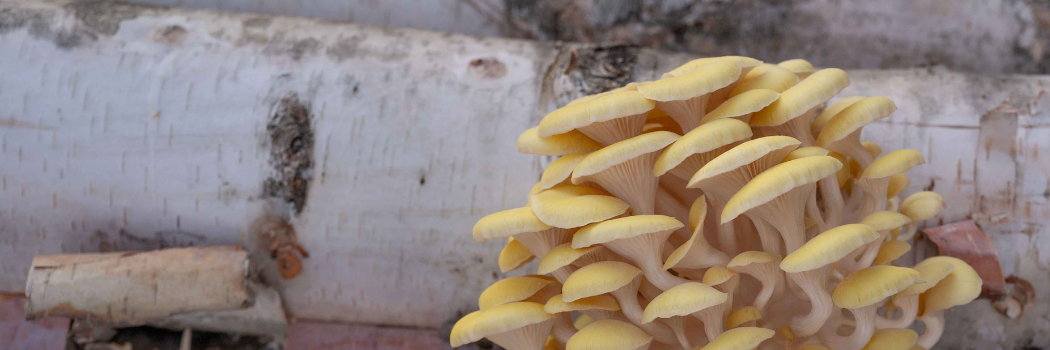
(727, 205)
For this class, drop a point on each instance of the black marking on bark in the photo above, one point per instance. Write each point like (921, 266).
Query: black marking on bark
(597, 69)
(291, 152)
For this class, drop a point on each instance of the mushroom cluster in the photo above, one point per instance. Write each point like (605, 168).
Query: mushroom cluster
(726, 205)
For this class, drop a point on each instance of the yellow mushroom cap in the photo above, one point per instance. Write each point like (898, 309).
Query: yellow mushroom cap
(752, 257)
(598, 302)
(870, 285)
(828, 247)
(892, 339)
(886, 220)
(744, 103)
(893, 163)
(767, 77)
(897, 184)
(459, 335)
(717, 275)
(873, 148)
(933, 271)
(961, 286)
(740, 338)
(507, 223)
(598, 278)
(778, 180)
(813, 347)
(606, 107)
(699, 82)
(705, 138)
(797, 65)
(570, 206)
(743, 315)
(507, 317)
(609, 335)
(697, 212)
(559, 170)
(625, 227)
(514, 255)
(681, 300)
(811, 151)
(743, 154)
(561, 256)
(890, 251)
(512, 289)
(582, 321)
(922, 205)
(571, 142)
(854, 117)
(807, 94)
(692, 66)
(622, 151)
(830, 111)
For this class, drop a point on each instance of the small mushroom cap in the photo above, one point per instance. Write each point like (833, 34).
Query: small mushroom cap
(777, 181)
(811, 151)
(609, 335)
(740, 338)
(571, 142)
(890, 251)
(854, 117)
(897, 184)
(830, 111)
(598, 302)
(570, 206)
(752, 257)
(744, 154)
(704, 138)
(606, 107)
(559, 170)
(873, 148)
(507, 317)
(807, 94)
(625, 227)
(870, 285)
(562, 256)
(459, 335)
(682, 300)
(922, 205)
(697, 212)
(892, 339)
(717, 275)
(886, 220)
(797, 65)
(768, 77)
(813, 347)
(744, 103)
(828, 247)
(743, 315)
(598, 278)
(694, 65)
(933, 271)
(621, 152)
(512, 289)
(961, 286)
(514, 255)
(711, 77)
(893, 163)
(508, 223)
(582, 321)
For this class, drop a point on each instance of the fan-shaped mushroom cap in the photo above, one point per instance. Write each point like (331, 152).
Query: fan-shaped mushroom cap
(744, 154)
(625, 227)
(682, 300)
(752, 257)
(768, 77)
(873, 148)
(559, 170)
(719, 274)
(582, 321)
(513, 289)
(740, 338)
(514, 255)
(570, 206)
(933, 271)
(854, 117)
(684, 97)
(961, 286)
(598, 278)
(696, 252)
(892, 339)
(811, 151)
(778, 180)
(890, 251)
(699, 141)
(922, 205)
(562, 256)
(870, 285)
(598, 302)
(804, 96)
(609, 335)
(830, 111)
(798, 66)
(893, 163)
(828, 247)
(742, 105)
(694, 65)
(509, 324)
(459, 335)
(623, 168)
(886, 220)
(743, 315)
(897, 184)
(607, 118)
(508, 223)
(556, 145)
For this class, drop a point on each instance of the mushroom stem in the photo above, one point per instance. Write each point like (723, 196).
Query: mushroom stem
(713, 319)
(934, 322)
(814, 213)
(627, 296)
(797, 127)
(769, 236)
(530, 337)
(850, 146)
(833, 202)
(909, 232)
(562, 329)
(562, 273)
(909, 308)
(864, 327)
(677, 325)
(685, 113)
(812, 283)
(540, 243)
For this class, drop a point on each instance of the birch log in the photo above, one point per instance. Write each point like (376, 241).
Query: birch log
(134, 288)
(129, 127)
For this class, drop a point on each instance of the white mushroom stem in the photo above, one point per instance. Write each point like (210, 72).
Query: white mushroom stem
(797, 127)
(727, 234)
(562, 273)
(934, 322)
(864, 327)
(677, 325)
(713, 319)
(814, 213)
(540, 243)
(667, 204)
(833, 202)
(850, 146)
(771, 278)
(867, 254)
(812, 283)
(627, 296)
(646, 252)
(769, 235)
(530, 337)
(908, 305)
(563, 329)
(874, 198)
